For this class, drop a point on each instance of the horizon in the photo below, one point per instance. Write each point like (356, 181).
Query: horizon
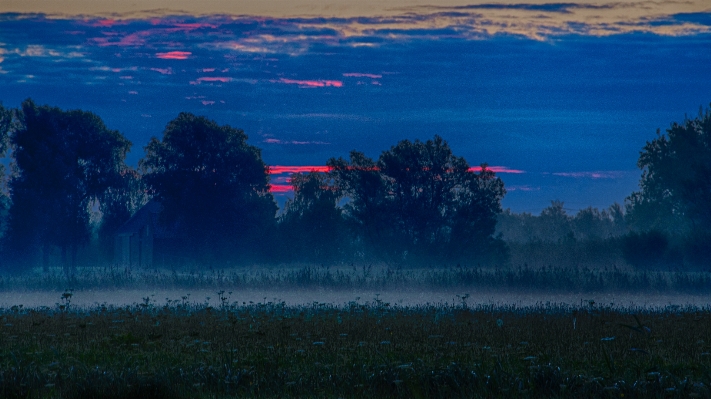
(565, 94)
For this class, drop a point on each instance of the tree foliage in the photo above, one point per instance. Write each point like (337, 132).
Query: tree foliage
(213, 186)
(312, 228)
(675, 190)
(420, 200)
(675, 187)
(7, 122)
(64, 161)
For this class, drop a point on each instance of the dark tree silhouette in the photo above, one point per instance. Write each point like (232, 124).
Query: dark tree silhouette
(214, 189)
(117, 204)
(312, 228)
(675, 187)
(7, 121)
(420, 200)
(64, 161)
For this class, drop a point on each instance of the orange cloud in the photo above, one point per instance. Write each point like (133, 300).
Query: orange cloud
(311, 83)
(174, 55)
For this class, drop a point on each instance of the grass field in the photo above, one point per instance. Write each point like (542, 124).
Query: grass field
(362, 349)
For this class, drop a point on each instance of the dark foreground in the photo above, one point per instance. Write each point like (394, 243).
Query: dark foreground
(360, 350)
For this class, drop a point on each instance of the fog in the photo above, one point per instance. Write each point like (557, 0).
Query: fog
(88, 299)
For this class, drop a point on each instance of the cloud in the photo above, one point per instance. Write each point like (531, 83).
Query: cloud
(362, 75)
(295, 142)
(279, 169)
(523, 188)
(310, 83)
(610, 174)
(211, 79)
(222, 79)
(174, 55)
(35, 50)
(281, 188)
(497, 169)
(163, 71)
(206, 102)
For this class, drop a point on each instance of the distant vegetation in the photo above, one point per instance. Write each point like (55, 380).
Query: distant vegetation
(68, 191)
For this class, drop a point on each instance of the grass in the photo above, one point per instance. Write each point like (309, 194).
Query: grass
(366, 277)
(360, 349)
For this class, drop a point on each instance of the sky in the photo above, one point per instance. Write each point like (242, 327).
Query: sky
(559, 97)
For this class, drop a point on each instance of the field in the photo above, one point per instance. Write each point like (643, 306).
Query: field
(221, 347)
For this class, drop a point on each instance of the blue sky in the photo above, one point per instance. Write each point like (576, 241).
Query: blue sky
(568, 93)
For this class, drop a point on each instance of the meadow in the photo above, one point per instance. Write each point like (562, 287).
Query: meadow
(225, 346)
(361, 349)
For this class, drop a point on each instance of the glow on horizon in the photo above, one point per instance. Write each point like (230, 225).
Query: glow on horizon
(290, 169)
(535, 19)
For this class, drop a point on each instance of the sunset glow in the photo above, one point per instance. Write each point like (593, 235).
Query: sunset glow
(567, 92)
(174, 55)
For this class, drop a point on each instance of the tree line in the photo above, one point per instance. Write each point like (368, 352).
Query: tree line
(68, 190)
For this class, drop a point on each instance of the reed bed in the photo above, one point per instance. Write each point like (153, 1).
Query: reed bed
(185, 349)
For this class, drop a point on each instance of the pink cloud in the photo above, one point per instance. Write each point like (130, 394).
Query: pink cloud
(222, 79)
(133, 40)
(205, 102)
(311, 83)
(279, 169)
(280, 188)
(106, 23)
(362, 75)
(208, 69)
(163, 71)
(496, 169)
(174, 55)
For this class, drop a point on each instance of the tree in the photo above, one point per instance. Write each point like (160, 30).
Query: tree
(420, 200)
(117, 204)
(63, 162)
(675, 187)
(7, 122)
(214, 189)
(312, 226)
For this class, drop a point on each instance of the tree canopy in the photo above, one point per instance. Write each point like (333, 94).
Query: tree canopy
(213, 186)
(312, 228)
(675, 187)
(420, 200)
(63, 162)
